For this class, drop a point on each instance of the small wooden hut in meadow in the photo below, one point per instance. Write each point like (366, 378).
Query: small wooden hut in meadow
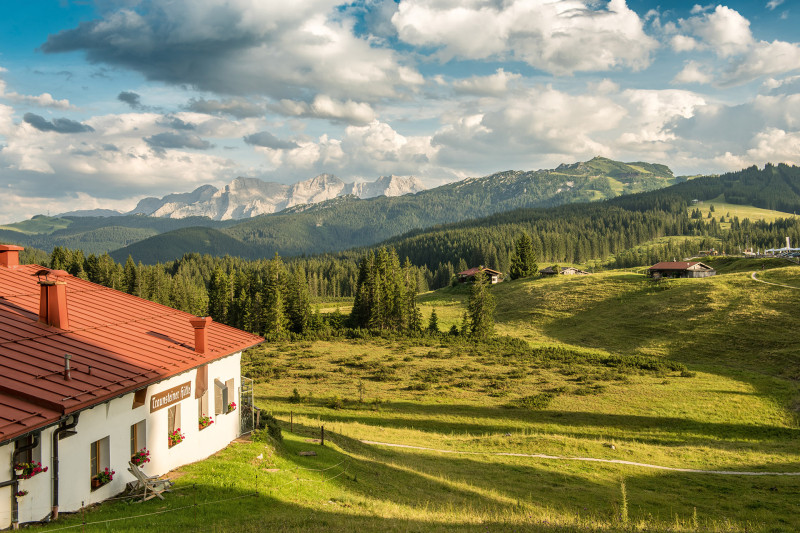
(566, 271)
(469, 275)
(680, 269)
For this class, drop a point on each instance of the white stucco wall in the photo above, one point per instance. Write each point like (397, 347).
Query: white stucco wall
(113, 419)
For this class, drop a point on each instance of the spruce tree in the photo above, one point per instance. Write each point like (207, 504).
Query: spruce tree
(523, 263)
(219, 296)
(433, 322)
(480, 308)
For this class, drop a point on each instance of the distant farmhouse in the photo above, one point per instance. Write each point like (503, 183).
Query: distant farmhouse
(469, 275)
(566, 271)
(680, 269)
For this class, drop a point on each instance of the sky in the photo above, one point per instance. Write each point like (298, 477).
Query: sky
(103, 103)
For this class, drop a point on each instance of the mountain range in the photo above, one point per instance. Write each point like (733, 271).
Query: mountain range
(344, 221)
(250, 197)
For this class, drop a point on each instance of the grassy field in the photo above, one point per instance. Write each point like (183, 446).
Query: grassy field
(38, 224)
(699, 374)
(723, 209)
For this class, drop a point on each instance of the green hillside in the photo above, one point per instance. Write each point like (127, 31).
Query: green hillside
(175, 243)
(615, 403)
(37, 225)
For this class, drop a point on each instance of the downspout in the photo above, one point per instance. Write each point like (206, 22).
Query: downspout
(56, 437)
(14, 481)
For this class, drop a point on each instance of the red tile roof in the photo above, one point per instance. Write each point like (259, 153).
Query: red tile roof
(118, 343)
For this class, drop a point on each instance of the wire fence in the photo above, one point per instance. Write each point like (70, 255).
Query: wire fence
(85, 525)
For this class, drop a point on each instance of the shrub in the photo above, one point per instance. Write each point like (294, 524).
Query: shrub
(537, 401)
(295, 397)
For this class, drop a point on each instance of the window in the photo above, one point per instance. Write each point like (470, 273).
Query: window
(223, 395)
(174, 425)
(138, 436)
(220, 397)
(202, 405)
(98, 457)
(27, 456)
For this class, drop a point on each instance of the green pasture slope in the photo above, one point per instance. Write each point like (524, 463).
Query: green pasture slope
(700, 374)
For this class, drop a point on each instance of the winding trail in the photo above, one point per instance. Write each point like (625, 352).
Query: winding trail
(586, 459)
(753, 275)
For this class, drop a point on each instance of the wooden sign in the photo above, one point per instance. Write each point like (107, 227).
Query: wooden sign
(170, 396)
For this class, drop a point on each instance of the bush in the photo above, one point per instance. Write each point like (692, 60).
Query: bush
(295, 397)
(273, 429)
(537, 401)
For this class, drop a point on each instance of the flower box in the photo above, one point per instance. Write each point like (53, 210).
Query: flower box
(231, 407)
(102, 478)
(204, 421)
(141, 457)
(176, 437)
(28, 470)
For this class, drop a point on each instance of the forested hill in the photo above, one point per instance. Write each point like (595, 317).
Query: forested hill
(347, 222)
(578, 233)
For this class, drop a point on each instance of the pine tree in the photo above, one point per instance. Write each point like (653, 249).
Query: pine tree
(433, 322)
(274, 318)
(219, 296)
(130, 277)
(523, 263)
(298, 303)
(480, 308)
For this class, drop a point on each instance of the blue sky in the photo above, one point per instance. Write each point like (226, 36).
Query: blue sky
(104, 103)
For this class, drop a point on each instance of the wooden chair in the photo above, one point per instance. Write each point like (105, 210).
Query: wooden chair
(151, 486)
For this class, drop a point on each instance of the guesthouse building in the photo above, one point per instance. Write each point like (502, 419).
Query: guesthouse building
(90, 376)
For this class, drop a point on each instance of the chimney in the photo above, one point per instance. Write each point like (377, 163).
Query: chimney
(53, 301)
(9, 255)
(788, 245)
(200, 333)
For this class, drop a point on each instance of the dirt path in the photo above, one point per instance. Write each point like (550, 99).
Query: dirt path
(587, 459)
(753, 275)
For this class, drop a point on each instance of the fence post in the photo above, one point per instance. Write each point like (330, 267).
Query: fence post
(322, 435)
(83, 517)
(194, 492)
(291, 421)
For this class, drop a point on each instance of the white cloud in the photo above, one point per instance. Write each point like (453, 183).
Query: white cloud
(727, 34)
(693, 72)
(724, 30)
(493, 85)
(558, 37)
(326, 107)
(763, 59)
(772, 4)
(244, 47)
(683, 43)
(43, 100)
(363, 151)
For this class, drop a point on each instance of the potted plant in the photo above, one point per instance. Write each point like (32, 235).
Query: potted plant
(231, 407)
(141, 457)
(176, 437)
(102, 478)
(28, 470)
(204, 421)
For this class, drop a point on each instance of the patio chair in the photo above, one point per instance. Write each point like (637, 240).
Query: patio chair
(151, 486)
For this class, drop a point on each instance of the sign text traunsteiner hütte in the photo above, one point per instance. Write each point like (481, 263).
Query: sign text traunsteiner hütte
(170, 396)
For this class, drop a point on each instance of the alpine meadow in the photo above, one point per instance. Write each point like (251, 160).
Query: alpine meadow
(400, 265)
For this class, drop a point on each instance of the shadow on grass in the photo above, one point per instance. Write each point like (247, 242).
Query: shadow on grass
(436, 493)
(438, 418)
